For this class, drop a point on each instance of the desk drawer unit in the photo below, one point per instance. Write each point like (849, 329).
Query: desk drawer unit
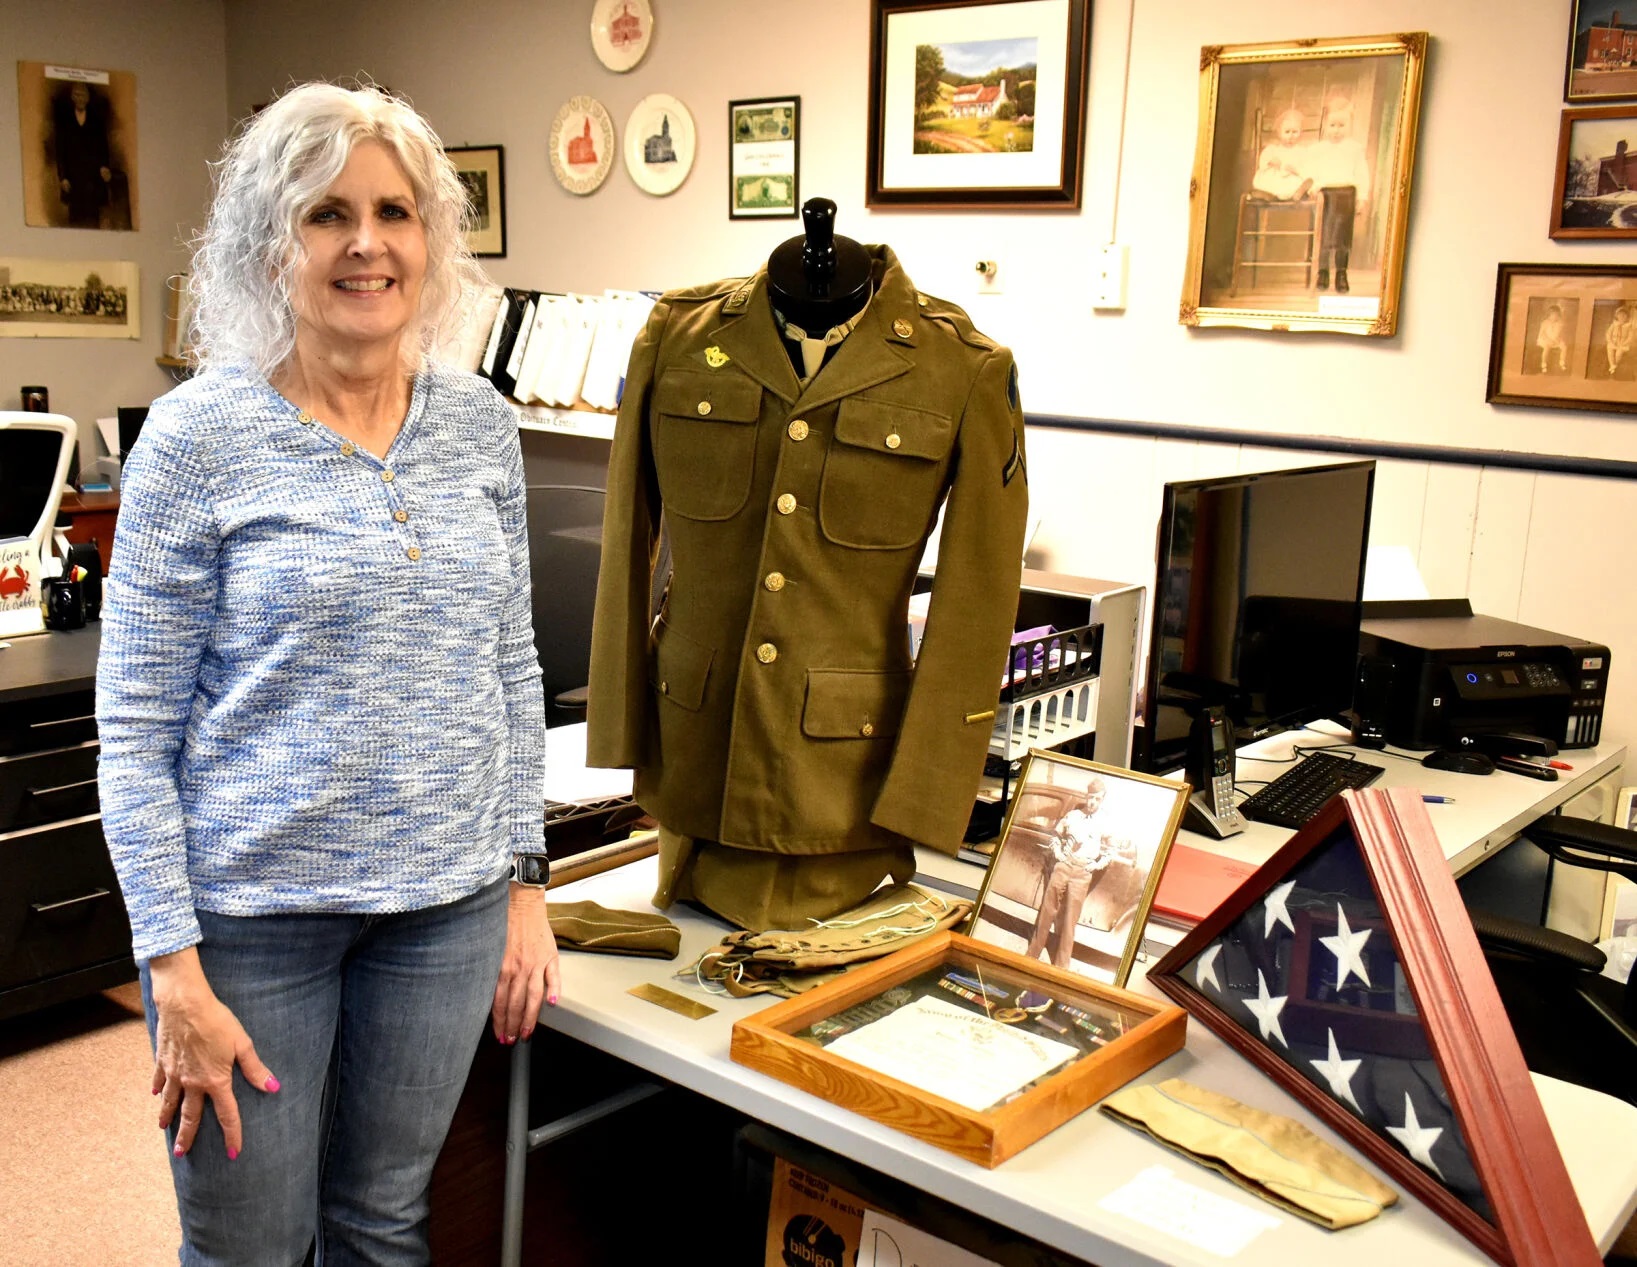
(51, 721)
(48, 787)
(60, 906)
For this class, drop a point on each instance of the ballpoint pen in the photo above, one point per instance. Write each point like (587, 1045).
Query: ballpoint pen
(1438, 800)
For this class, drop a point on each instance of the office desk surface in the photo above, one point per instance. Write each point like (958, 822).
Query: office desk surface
(49, 663)
(1051, 1190)
(1489, 810)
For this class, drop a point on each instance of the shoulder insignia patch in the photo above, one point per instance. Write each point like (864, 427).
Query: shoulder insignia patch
(1011, 386)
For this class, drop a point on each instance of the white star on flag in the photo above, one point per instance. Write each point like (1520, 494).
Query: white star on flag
(1417, 1139)
(1205, 967)
(1273, 908)
(1348, 947)
(1266, 1009)
(1339, 1074)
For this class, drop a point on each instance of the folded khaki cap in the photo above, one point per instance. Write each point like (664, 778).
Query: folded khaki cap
(588, 926)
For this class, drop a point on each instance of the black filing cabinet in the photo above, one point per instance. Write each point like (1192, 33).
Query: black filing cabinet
(63, 928)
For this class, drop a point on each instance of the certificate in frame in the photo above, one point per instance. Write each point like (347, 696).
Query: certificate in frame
(764, 155)
(961, 996)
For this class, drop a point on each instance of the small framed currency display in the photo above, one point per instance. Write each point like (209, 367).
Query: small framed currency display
(967, 1046)
(764, 148)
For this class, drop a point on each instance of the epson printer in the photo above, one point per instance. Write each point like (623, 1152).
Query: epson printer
(1433, 675)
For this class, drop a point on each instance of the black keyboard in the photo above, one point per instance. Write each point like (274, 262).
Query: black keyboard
(1301, 791)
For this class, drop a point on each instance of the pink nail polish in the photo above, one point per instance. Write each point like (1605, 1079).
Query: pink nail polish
(177, 1151)
(510, 1039)
(156, 1090)
(272, 1083)
(551, 1000)
(527, 1034)
(233, 1154)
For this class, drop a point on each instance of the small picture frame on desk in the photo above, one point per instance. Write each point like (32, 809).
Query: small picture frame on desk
(1079, 859)
(969, 1047)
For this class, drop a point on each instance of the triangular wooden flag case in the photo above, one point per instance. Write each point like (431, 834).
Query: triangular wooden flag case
(1347, 970)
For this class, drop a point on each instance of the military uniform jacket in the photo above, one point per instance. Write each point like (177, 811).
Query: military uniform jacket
(773, 703)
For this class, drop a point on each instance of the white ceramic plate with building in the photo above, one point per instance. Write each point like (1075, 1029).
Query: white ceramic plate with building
(620, 32)
(581, 145)
(659, 144)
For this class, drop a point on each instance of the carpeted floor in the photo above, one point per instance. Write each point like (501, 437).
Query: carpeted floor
(82, 1161)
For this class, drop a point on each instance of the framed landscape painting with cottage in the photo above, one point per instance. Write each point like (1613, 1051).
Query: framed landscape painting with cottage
(1301, 188)
(976, 104)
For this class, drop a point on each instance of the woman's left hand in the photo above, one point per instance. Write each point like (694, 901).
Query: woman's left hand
(530, 971)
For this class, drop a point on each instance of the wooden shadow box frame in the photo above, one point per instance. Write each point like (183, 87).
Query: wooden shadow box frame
(768, 1042)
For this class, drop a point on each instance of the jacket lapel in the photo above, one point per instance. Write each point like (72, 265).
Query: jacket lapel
(750, 339)
(867, 356)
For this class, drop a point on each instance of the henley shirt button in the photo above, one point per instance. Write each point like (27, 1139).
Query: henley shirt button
(786, 503)
(894, 440)
(798, 429)
(704, 408)
(767, 653)
(774, 581)
(304, 418)
(414, 553)
(402, 516)
(387, 477)
(347, 450)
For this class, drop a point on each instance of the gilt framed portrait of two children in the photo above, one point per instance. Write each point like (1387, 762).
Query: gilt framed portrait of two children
(1301, 185)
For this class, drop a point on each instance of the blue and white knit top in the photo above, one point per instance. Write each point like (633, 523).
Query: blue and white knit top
(318, 689)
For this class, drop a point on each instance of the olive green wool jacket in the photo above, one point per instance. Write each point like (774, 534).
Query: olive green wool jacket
(773, 705)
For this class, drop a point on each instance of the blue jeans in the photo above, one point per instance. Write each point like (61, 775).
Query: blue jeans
(369, 1023)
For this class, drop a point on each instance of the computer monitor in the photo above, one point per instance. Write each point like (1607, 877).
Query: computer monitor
(1256, 603)
(131, 418)
(35, 453)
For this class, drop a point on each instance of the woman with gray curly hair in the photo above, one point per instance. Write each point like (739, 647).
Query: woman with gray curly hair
(319, 702)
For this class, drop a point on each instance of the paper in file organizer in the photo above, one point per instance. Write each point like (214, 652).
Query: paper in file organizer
(525, 331)
(622, 316)
(465, 343)
(565, 365)
(545, 339)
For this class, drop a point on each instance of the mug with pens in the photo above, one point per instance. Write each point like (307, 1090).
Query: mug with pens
(65, 599)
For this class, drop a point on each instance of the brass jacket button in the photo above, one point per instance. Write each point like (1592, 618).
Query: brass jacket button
(894, 440)
(774, 581)
(866, 730)
(902, 328)
(798, 429)
(767, 653)
(786, 503)
(704, 407)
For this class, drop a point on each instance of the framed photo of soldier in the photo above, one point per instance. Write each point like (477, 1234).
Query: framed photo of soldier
(77, 129)
(1300, 197)
(1079, 859)
(482, 170)
(1565, 336)
(764, 153)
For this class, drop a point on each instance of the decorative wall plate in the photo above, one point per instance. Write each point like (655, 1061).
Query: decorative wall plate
(659, 144)
(620, 31)
(581, 145)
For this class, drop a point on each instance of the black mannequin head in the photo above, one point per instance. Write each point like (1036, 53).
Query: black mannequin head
(819, 280)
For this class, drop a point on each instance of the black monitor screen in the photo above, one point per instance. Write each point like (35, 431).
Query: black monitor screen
(28, 477)
(1256, 603)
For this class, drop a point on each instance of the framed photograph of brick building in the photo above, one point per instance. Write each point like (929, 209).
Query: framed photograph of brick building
(1594, 194)
(1602, 51)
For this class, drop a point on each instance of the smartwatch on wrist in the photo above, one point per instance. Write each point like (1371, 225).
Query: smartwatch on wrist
(532, 869)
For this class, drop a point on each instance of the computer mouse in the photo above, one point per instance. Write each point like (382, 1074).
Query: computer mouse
(1459, 762)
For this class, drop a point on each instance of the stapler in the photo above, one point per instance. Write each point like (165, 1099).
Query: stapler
(1509, 743)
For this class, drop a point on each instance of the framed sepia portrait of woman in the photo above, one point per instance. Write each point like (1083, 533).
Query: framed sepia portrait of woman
(1301, 186)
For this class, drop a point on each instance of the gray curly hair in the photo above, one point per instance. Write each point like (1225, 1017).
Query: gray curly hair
(270, 175)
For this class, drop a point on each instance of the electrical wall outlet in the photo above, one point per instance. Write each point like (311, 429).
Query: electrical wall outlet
(1112, 264)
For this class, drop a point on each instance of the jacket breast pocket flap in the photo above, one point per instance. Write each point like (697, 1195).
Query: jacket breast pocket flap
(894, 430)
(854, 704)
(705, 441)
(679, 667)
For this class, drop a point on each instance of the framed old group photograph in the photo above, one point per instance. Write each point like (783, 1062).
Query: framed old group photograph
(1301, 187)
(1602, 52)
(1079, 858)
(1565, 336)
(967, 1046)
(764, 150)
(482, 169)
(1592, 194)
(977, 103)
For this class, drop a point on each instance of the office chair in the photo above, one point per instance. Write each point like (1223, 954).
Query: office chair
(1571, 1022)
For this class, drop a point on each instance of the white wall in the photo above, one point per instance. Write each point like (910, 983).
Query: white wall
(1538, 548)
(175, 49)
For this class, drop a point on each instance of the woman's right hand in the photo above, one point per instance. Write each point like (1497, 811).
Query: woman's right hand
(197, 1043)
